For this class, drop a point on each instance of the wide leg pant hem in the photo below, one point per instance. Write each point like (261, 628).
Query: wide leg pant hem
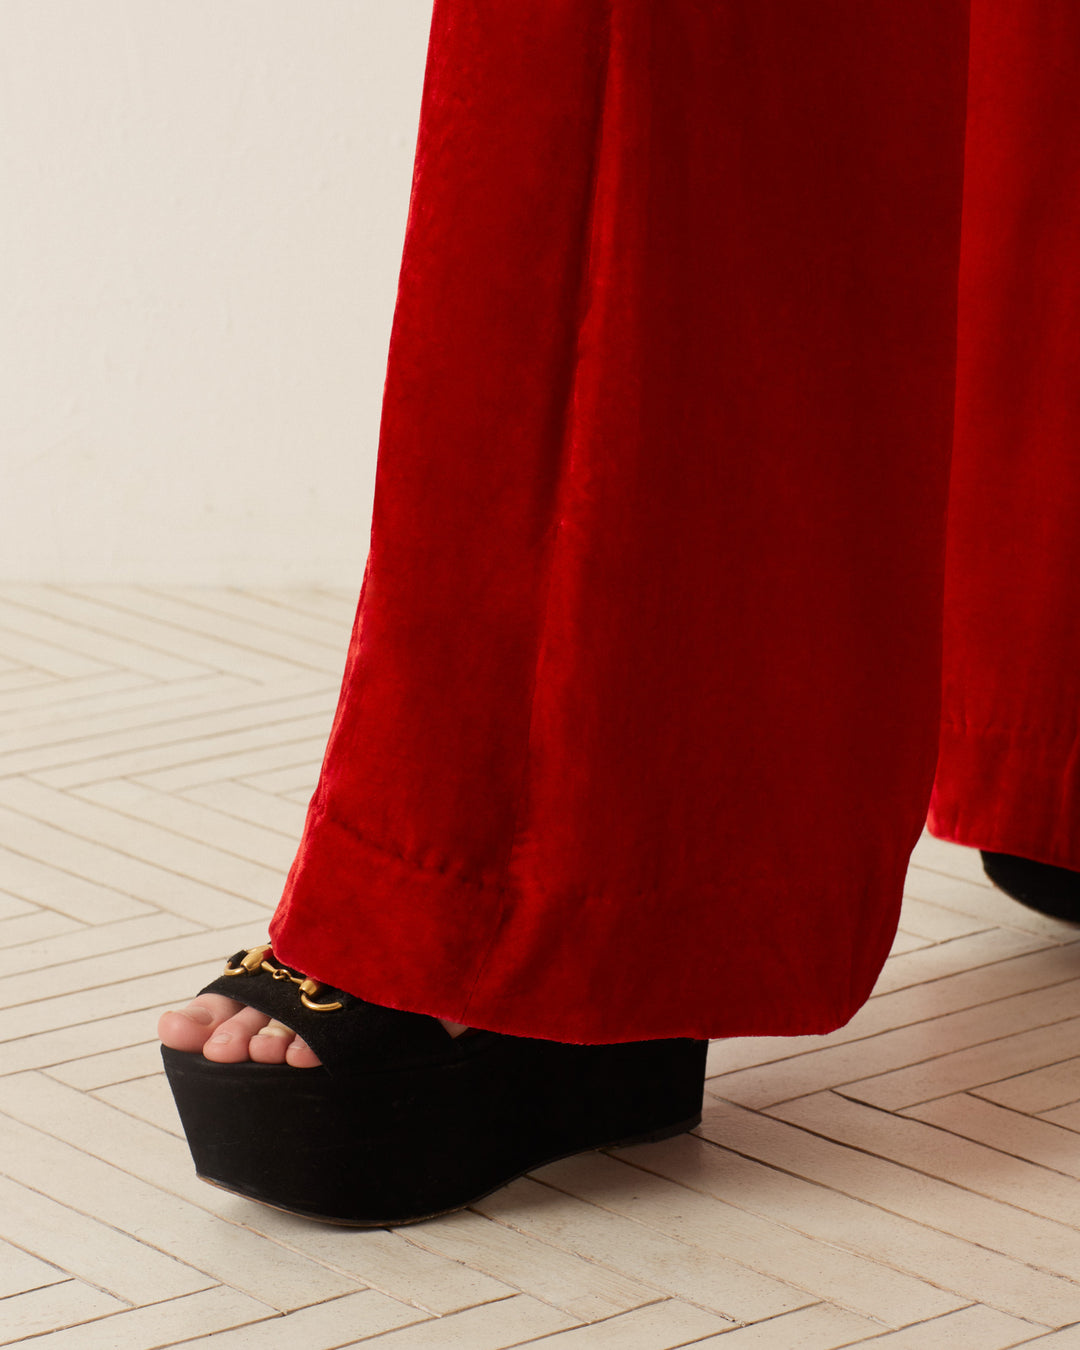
(467, 965)
(1008, 791)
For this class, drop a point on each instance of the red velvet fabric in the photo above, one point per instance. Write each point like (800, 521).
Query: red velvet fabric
(640, 714)
(1009, 773)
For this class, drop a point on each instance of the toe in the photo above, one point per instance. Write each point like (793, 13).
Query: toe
(230, 1043)
(191, 1027)
(270, 1044)
(300, 1055)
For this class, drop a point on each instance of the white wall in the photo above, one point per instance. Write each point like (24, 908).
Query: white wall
(202, 204)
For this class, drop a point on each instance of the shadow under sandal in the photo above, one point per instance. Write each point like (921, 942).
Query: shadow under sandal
(403, 1121)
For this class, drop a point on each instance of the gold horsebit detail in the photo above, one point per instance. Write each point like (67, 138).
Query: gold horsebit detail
(255, 960)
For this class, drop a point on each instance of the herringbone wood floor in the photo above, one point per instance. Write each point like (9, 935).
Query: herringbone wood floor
(910, 1181)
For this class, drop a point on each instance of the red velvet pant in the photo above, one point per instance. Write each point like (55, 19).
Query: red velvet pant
(1009, 773)
(640, 717)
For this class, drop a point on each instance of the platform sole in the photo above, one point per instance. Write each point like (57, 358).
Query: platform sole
(392, 1148)
(652, 1137)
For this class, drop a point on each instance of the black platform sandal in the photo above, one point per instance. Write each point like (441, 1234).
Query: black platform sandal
(1051, 890)
(403, 1121)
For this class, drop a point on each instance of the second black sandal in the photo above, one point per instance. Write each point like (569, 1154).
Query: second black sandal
(1051, 890)
(403, 1121)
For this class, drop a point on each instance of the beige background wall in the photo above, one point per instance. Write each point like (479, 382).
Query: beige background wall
(203, 203)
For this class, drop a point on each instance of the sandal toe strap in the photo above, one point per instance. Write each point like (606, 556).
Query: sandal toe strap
(345, 1032)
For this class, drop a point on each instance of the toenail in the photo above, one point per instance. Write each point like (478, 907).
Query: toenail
(222, 1038)
(275, 1031)
(201, 1015)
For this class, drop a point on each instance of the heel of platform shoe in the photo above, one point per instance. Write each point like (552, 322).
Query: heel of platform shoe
(632, 1092)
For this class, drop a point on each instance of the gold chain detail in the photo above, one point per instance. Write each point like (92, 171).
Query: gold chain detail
(256, 959)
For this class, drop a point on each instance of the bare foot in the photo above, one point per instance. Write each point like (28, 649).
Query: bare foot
(230, 1032)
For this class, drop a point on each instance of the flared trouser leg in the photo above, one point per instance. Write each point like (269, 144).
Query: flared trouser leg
(639, 719)
(1009, 773)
